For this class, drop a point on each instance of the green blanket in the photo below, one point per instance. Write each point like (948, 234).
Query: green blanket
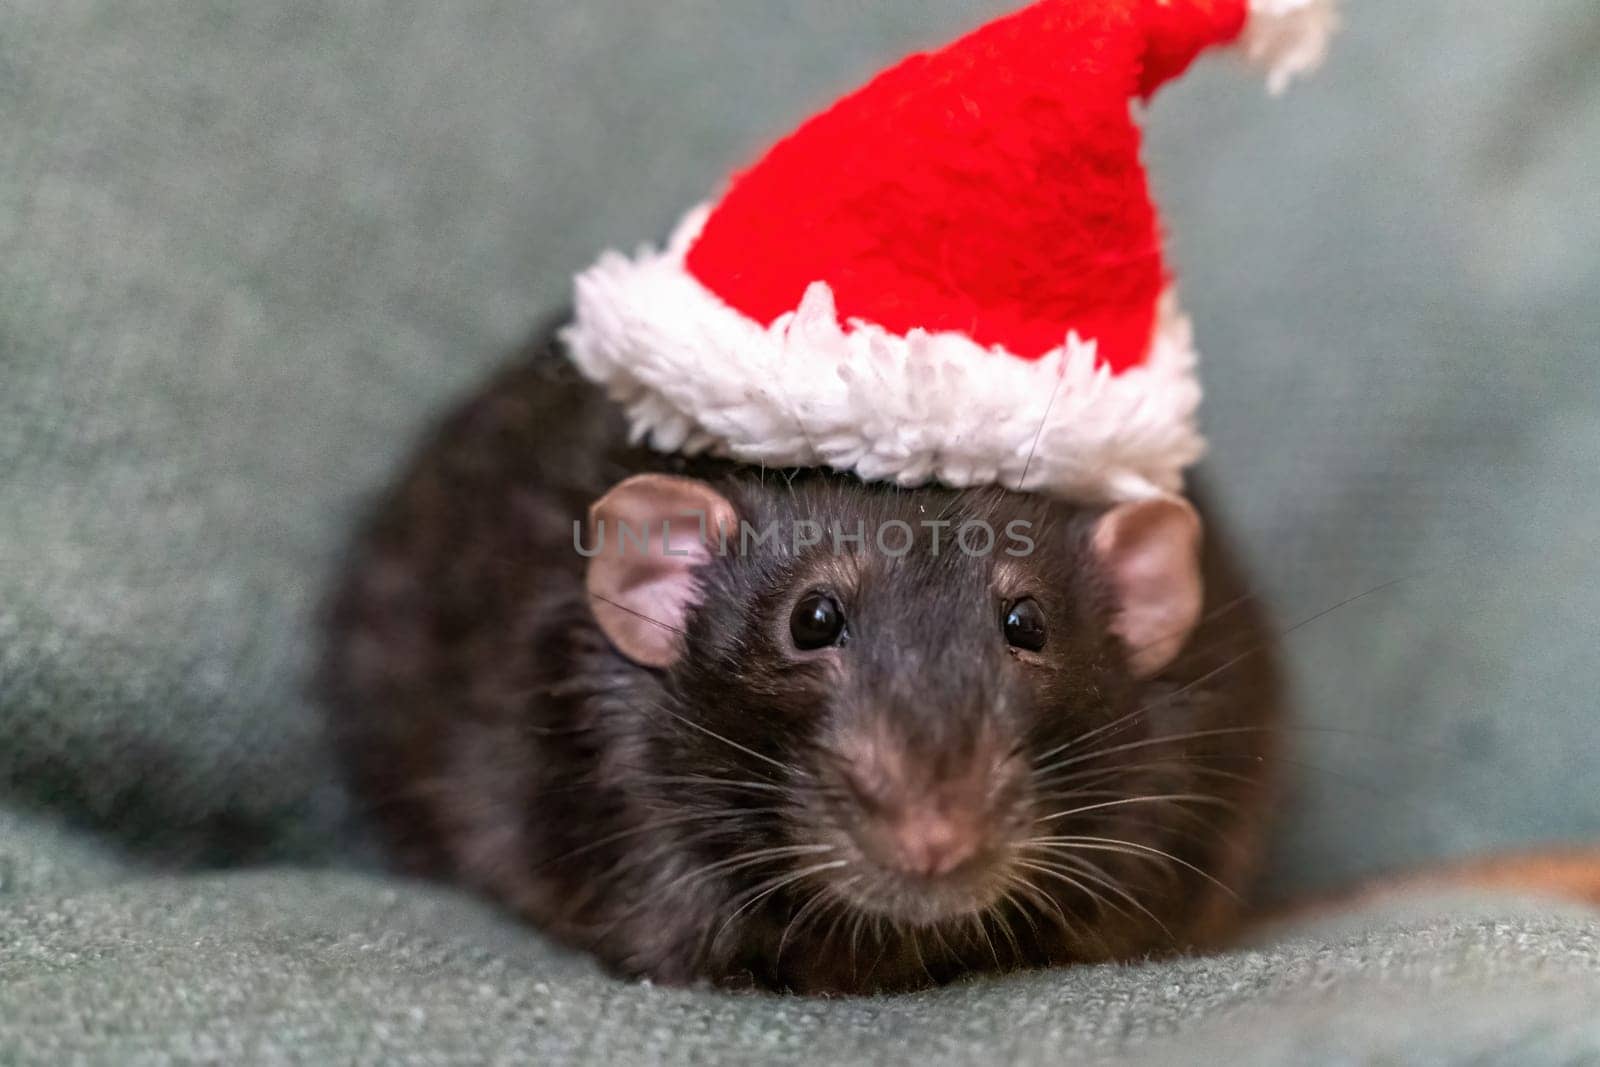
(248, 250)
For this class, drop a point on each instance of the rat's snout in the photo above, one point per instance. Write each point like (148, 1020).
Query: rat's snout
(926, 841)
(917, 827)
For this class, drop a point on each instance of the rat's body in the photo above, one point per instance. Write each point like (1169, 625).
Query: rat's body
(504, 742)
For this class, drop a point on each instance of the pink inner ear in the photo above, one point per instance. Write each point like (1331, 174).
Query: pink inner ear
(663, 580)
(1151, 552)
(691, 537)
(642, 597)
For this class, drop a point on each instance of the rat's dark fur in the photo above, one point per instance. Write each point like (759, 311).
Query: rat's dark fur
(501, 742)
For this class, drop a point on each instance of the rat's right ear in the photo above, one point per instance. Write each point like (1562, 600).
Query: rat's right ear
(646, 536)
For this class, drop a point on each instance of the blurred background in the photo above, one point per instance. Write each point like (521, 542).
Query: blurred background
(248, 251)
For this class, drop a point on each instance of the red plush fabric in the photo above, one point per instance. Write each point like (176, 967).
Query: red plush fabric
(993, 187)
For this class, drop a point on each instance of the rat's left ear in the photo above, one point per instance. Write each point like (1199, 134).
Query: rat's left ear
(1150, 550)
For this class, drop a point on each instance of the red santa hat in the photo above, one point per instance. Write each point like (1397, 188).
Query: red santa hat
(953, 274)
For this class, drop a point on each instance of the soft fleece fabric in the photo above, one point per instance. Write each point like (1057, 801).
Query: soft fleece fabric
(248, 250)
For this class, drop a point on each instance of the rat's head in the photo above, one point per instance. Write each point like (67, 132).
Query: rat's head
(869, 680)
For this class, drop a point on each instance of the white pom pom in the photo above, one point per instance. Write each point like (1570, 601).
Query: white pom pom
(1289, 37)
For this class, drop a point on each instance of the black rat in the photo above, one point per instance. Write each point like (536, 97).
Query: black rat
(804, 763)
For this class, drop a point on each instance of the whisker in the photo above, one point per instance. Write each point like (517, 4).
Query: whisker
(1228, 664)
(1197, 798)
(844, 909)
(639, 614)
(880, 934)
(1101, 877)
(736, 862)
(741, 860)
(1005, 928)
(1130, 848)
(1098, 900)
(695, 779)
(797, 921)
(1209, 617)
(768, 888)
(1066, 876)
(639, 861)
(1193, 763)
(1165, 739)
(977, 921)
(916, 950)
(1036, 894)
(649, 827)
(856, 926)
(950, 951)
(1056, 785)
(1044, 420)
(1204, 833)
(1019, 906)
(786, 768)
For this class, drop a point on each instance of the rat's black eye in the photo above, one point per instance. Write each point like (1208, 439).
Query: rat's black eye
(1024, 625)
(816, 622)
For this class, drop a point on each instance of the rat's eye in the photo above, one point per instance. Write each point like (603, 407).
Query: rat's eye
(816, 622)
(1024, 625)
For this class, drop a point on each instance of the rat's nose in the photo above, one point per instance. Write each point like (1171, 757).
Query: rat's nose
(927, 842)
